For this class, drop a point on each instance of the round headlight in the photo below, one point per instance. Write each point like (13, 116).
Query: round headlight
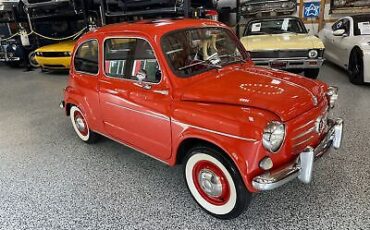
(14, 47)
(249, 8)
(284, 5)
(273, 136)
(313, 54)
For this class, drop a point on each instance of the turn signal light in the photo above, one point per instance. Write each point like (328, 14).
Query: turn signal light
(266, 163)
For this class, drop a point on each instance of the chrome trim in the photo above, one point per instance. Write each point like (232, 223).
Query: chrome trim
(303, 126)
(303, 166)
(213, 131)
(302, 142)
(304, 133)
(141, 112)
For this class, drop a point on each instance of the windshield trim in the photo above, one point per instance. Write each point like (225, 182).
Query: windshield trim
(243, 51)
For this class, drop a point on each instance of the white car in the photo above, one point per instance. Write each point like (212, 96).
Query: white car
(347, 44)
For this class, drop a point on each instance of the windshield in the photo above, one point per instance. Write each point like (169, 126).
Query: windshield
(275, 26)
(194, 51)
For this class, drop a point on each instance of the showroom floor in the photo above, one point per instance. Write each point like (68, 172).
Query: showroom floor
(49, 179)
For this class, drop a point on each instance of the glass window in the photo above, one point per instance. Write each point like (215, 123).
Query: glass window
(126, 57)
(342, 24)
(197, 50)
(86, 59)
(274, 26)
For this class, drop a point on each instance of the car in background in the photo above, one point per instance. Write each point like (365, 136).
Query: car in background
(271, 7)
(163, 8)
(12, 52)
(283, 43)
(347, 44)
(55, 56)
(259, 7)
(183, 91)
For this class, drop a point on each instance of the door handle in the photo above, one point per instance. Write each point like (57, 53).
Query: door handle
(143, 85)
(163, 92)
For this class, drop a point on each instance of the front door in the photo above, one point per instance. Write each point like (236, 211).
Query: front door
(134, 98)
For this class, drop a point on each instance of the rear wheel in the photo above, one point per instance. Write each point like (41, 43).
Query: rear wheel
(215, 183)
(311, 73)
(81, 126)
(356, 67)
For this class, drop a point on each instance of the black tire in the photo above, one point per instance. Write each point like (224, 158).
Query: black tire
(233, 196)
(32, 60)
(311, 73)
(81, 126)
(356, 67)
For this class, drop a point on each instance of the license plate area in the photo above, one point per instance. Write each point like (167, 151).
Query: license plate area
(278, 64)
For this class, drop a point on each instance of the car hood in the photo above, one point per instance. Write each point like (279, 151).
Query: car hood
(281, 42)
(65, 46)
(284, 94)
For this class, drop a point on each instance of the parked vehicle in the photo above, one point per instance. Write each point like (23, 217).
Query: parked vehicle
(283, 43)
(275, 7)
(11, 50)
(161, 8)
(40, 9)
(347, 44)
(184, 92)
(250, 8)
(55, 56)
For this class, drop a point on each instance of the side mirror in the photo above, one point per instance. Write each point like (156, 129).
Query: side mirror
(339, 32)
(141, 75)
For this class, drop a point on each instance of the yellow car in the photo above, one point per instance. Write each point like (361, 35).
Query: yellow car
(283, 43)
(55, 56)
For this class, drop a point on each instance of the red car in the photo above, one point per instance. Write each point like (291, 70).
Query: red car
(185, 92)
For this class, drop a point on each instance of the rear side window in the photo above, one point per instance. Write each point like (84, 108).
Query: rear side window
(125, 57)
(86, 59)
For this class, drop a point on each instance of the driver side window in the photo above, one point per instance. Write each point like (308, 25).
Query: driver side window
(342, 24)
(128, 57)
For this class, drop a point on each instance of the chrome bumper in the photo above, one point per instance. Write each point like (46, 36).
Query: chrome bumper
(303, 166)
(289, 63)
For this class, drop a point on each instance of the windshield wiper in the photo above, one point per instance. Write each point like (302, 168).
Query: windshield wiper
(236, 58)
(206, 62)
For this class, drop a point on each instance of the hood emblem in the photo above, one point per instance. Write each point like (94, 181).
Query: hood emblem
(315, 101)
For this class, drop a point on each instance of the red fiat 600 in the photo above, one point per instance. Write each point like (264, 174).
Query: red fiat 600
(185, 92)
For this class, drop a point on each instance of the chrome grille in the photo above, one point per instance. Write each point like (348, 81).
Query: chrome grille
(308, 133)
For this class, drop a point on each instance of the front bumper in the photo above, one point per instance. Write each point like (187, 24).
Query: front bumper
(303, 166)
(54, 63)
(5, 57)
(289, 63)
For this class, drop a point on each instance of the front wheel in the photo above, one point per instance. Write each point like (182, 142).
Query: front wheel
(215, 183)
(81, 126)
(32, 60)
(311, 73)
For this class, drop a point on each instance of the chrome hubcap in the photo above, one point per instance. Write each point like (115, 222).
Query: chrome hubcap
(210, 183)
(80, 124)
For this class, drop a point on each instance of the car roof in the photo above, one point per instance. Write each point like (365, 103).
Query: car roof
(360, 17)
(157, 27)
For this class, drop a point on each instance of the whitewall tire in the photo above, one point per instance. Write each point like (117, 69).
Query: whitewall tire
(215, 183)
(81, 126)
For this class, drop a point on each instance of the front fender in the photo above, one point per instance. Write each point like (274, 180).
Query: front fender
(234, 129)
